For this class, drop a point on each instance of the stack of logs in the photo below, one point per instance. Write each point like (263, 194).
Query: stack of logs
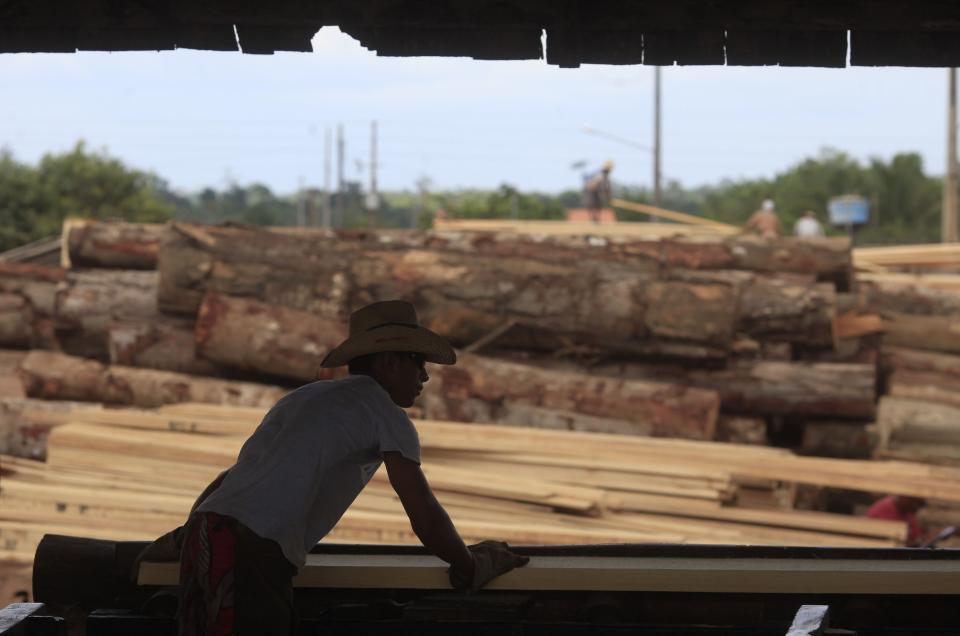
(709, 338)
(695, 337)
(730, 338)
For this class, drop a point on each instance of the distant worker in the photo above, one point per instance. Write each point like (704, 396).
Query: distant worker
(901, 508)
(596, 192)
(764, 221)
(808, 226)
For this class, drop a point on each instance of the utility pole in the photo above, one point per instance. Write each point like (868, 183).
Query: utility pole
(948, 233)
(656, 137)
(340, 160)
(327, 152)
(302, 205)
(373, 199)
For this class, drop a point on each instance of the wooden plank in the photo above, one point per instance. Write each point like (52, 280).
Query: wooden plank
(572, 228)
(651, 574)
(680, 217)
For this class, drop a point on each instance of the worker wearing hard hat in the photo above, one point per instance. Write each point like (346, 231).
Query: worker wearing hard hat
(764, 221)
(596, 191)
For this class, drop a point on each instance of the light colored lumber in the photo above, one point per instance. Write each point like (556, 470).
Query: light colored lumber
(638, 574)
(569, 228)
(681, 217)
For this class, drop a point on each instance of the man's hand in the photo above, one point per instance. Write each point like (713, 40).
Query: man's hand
(490, 560)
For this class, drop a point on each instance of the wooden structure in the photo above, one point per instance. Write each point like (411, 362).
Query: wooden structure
(742, 32)
(596, 589)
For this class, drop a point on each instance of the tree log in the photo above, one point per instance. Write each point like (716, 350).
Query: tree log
(742, 430)
(783, 307)
(116, 244)
(907, 299)
(16, 322)
(763, 387)
(92, 301)
(166, 343)
(930, 333)
(930, 386)
(791, 388)
(850, 440)
(826, 258)
(22, 433)
(303, 272)
(918, 429)
(250, 335)
(55, 376)
(660, 409)
(903, 358)
(771, 309)
(558, 294)
(28, 302)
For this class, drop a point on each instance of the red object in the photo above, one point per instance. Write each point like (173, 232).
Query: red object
(886, 508)
(206, 574)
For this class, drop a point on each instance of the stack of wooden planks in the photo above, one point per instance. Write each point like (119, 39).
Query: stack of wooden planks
(133, 474)
(909, 257)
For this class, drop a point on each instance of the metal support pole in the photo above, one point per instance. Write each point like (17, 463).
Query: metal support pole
(949, 218)
(657, 194)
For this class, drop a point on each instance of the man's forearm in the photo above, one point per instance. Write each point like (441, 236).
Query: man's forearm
(437, 533)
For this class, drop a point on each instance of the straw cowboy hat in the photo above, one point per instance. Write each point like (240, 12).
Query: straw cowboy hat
(390, 325)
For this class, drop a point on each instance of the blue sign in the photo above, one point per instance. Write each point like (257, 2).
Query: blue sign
(848, 210)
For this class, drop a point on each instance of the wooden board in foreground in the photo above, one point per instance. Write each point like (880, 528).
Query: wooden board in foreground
(637, 574)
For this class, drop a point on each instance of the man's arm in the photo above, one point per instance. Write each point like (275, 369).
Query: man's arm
(429, 520)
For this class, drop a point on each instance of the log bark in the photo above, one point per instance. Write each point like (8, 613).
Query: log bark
(784, 307)
(115, 244)
(16, 322)
(850, 440)
(55, 376)
(302, 272)
(92, 301)
(827, 258)
(253, 336)
(557, 294)
(907, 359)
(742, 430)
(791, 388)
(929, 386)
(930, 333)
(22, 433)
(166, 344)
(482, 389)
(771, 309)
(907, 299)
(763, 387)
(918, 429)
(28, 302)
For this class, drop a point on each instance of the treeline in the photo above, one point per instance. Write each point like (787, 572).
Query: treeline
(34, 199)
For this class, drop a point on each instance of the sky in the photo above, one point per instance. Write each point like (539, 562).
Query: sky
(213, 118)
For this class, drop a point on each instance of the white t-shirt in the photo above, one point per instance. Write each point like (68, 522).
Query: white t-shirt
(806, 226)
(309, 459)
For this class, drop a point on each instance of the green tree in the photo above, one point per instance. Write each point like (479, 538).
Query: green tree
(34, 201)
(21, 206)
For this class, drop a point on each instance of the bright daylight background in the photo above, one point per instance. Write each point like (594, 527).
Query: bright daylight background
(209, 119)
